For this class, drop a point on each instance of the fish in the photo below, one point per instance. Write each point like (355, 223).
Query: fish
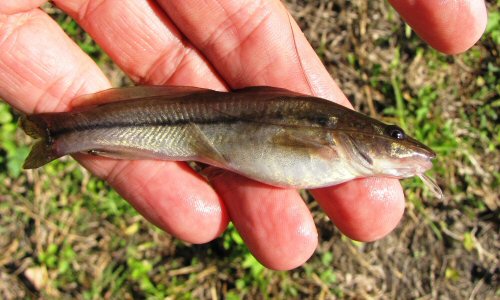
(272, 135)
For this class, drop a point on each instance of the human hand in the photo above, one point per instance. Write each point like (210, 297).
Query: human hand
(223, 43)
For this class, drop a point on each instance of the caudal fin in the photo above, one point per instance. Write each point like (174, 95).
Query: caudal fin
(42, 151)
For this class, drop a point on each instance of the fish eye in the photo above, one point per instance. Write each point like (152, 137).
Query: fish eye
(395, 132)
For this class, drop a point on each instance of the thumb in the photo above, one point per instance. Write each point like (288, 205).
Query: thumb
(448, 26)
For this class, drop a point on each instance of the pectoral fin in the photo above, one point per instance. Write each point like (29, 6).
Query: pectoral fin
(299, 141)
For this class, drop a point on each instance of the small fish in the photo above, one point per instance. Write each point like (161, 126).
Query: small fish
(269, 134)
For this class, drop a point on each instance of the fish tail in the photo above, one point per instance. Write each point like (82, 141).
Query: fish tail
(42, 151)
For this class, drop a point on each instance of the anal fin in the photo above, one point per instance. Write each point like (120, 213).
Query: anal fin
(116, 154)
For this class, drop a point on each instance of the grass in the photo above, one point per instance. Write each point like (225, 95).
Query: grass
(66, 234)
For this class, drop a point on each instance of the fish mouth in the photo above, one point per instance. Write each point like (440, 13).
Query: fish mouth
(404, 167)
(422, 149)
(415, 166)
(424, 164)
(428, 152)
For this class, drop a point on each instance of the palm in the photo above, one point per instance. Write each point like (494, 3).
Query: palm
(223, 44)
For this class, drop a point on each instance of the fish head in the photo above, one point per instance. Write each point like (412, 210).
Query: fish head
(382, 149)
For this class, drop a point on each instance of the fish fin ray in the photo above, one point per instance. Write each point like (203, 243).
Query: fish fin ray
(42, 151)
(297, 141)
(122, 154)
(109, 154)
(204, 147)
(41, 154)
(33, 126)
(134, 92)
(268, 91)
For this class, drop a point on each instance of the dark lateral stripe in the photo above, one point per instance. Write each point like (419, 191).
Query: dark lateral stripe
(204, 121)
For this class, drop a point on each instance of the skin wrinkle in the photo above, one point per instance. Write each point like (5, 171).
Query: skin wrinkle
(257, 25)
(158, 66)
(184, 68)
(277, 229)
(11, 38)
(139, 191)
(244, 74)
(293, 41)
(16, 6)
(189, 53)
(97, 164)
(148, 26)
(70, 92)
(144, 183)
(42, 102)
(242, 80)
(87, 8)
(265, 69)
(230, 32)
(120, 168)
(156, 33)
(225, 28)
(172, 36)
(185, 206)
(8, 70)
(138, 40)
(114, 173)
(11, 23)
(128, 57)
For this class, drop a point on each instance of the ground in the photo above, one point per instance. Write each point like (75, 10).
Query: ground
(65, 234)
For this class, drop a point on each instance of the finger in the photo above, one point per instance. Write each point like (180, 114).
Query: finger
(250, 43)
(270, 220)
(357, 218)
(449, 26)
(146, 26)
(34, 79)
(168, 194)
(15, 6)
(143, 42)
(42, 70)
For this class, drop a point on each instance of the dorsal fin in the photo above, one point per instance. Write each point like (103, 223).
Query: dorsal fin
(134, 92)
(268, 91)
